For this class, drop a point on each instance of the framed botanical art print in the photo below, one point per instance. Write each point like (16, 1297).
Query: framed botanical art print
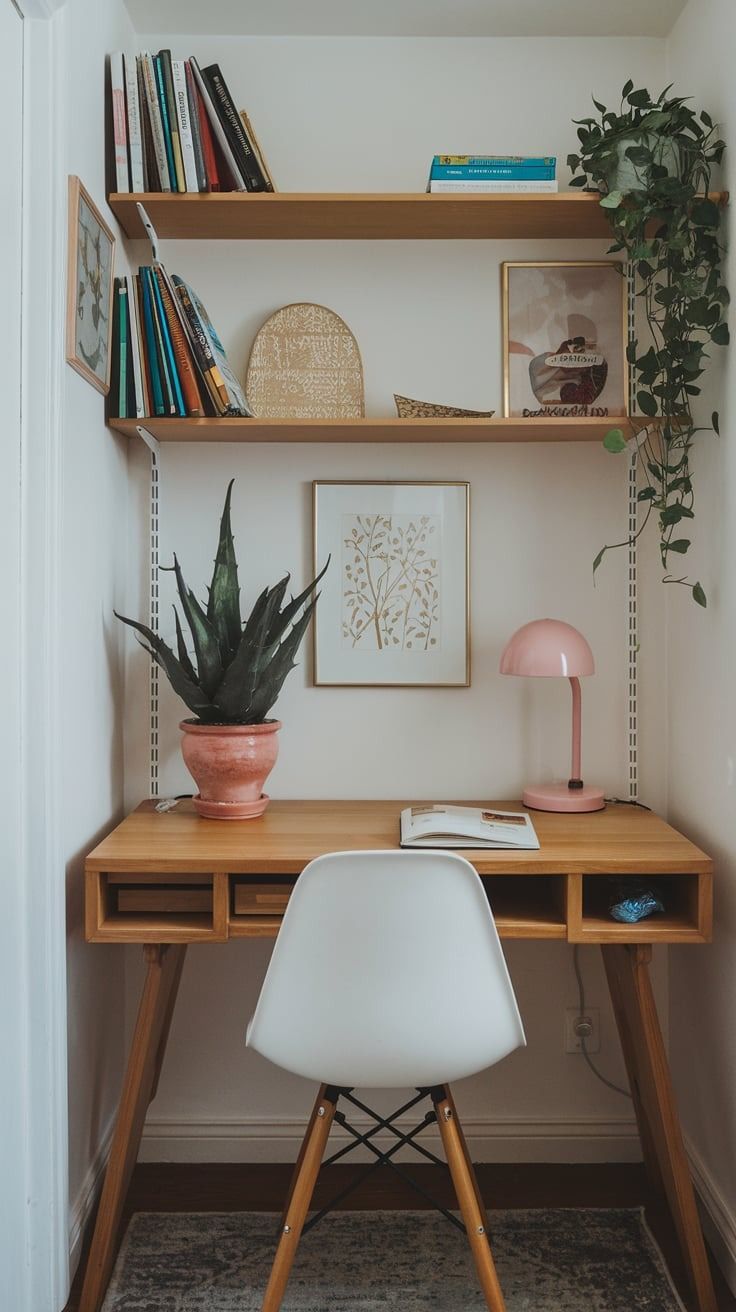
(91, 251)
(394, 604)
(564, 339)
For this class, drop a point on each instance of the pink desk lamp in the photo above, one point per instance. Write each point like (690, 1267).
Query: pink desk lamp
(553, 649)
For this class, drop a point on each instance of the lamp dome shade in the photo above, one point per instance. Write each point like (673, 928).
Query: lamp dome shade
(547, 649)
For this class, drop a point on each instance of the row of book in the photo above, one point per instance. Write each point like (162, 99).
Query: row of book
(175, 128)
(489, 173)
(167, 358)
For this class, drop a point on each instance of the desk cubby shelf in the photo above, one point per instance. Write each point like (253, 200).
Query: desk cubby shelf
(375, 430)
(366, 216)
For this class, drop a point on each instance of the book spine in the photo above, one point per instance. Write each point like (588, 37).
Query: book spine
(193, 103)
(119, 121)
(146, 139)
(265, 170)
(185, 367)
(494, 172)
(209, 153)
(142, 349)
(163, 107)
(217, 128)
(113, 394)
(155, 120)
(167, 76)
(123, 358)
(505, 188)
(239, 143)
(135, 137)
(184, 128)
(135, 352)
(176, 393)
(202, 349)
(533, 161)
(154, 354)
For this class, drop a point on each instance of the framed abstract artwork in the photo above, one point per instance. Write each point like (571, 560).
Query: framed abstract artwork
(394, 604)
(91, 263)
(564, 338)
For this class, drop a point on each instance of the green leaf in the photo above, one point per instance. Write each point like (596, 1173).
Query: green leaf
(601, 108)
(699, 595)
(614, 440)
(573, 161)
(184, 658)
(599, 558)
(715, 423)
(646, 403)
(639, 98)
(204, 637)
(673, 514)
(628, 86)
(680, 545)
(223, 604)
(612, 200)
(705, 214)
(720, 334)
(183, 685)
(646, 494)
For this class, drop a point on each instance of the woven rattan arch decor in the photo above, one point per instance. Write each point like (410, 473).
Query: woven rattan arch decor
(305, 364)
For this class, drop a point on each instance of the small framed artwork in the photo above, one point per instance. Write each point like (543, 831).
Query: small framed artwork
(91, 251)
(564, 338)
(394, 604)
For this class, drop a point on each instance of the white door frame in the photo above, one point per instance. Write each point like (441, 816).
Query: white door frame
(38, 1096)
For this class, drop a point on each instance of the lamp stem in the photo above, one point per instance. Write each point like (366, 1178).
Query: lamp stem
(575, 777)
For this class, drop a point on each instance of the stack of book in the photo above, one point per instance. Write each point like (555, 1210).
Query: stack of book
(167, 358)
(175, 128)
(493, 173)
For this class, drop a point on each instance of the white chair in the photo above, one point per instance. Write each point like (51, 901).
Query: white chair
(387, 973)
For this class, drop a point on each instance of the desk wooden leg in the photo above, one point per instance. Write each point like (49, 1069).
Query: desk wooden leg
(627, 968)
(164, 967)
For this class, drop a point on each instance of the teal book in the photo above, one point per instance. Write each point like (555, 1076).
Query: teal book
(163, 369)
(151, 348)
(163, 106)
(171, 368)
(123, 350)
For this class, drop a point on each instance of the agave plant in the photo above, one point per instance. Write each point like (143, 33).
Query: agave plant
(238, 669)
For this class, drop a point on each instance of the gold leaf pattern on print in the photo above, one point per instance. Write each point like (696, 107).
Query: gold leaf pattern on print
(390, 582)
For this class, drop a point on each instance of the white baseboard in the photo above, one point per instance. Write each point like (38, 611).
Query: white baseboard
(719, 1222)
(502, 1139)
(83, 1205)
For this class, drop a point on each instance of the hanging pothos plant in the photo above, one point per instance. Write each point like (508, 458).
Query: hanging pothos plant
(652, 163)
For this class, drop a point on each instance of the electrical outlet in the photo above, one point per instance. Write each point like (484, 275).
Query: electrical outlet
(574, 1029)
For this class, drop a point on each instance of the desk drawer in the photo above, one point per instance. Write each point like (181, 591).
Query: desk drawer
(265, 899)
(165, 900)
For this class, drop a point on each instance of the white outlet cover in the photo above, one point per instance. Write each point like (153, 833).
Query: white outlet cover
(571, 1041)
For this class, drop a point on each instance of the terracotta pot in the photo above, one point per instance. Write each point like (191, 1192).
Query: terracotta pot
(230, 764)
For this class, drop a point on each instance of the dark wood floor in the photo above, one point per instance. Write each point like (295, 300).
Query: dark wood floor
(218, 1188)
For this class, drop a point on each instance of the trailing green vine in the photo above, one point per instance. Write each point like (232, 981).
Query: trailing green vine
(652, 161)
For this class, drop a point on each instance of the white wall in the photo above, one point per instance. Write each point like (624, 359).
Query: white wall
(702, 706)
(93, 569)
(367, 115)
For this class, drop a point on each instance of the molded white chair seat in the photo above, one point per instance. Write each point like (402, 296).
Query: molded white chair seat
(387, 972)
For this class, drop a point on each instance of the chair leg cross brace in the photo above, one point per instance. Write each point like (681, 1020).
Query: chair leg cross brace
(310, 1158)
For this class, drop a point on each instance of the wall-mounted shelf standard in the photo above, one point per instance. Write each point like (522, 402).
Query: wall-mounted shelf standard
(363, 216)
(375, 430)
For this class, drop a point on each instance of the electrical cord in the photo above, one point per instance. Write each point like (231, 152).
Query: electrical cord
(581, 1003)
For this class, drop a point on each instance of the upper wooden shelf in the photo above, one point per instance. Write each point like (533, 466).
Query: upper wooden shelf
(337, 216)
(375, 430)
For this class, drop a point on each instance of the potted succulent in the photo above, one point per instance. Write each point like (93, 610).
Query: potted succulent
(651, 161)
(231, 745)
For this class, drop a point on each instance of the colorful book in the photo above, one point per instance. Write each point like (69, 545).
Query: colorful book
(265, 170)
(119, 121)
(142, 347)
(218, 130)
(509, 161)
(123, 350)
(182, 354)
(237, 403)
(193, 102)
(166, 126)
(209, 153)
(234, 130)
(509, 187)
(152, 353)
(168, 82)
(225, 390)
(173, 373)
(153, 106)
(135, 348)
(186, 140)
(135, 136)
(491, 171)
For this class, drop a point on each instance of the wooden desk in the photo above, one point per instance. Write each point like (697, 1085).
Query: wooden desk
(167, 880)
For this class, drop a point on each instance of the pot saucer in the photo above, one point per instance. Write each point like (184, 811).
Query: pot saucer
(231, 810)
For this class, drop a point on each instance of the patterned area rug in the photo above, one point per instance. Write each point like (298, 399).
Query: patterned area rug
(548, 1261)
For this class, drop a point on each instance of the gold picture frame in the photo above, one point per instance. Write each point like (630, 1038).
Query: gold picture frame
(89, 289)
(404, 625)
(597, 384)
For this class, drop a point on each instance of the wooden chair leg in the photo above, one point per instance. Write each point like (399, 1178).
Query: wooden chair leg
(469, 1199)
(300, 1158)
(309, 1162)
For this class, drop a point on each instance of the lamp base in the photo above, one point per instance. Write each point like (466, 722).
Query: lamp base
(558, 797)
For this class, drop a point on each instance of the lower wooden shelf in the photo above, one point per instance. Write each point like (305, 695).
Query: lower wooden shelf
(377, 430)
